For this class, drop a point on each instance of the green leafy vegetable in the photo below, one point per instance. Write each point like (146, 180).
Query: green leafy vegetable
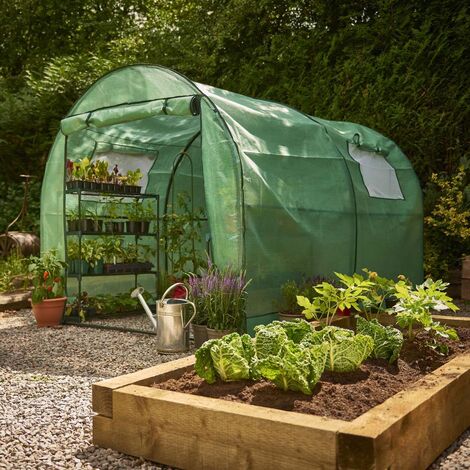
(290, 366)
(228, 358)
(204, 366)
(269, 340)
(345, 350)
(295, 330)
(290, 370)
(388, 341)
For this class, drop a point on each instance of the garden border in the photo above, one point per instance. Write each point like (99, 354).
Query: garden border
(408, 431)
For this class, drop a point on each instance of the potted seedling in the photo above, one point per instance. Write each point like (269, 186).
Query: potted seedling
(73, 256)
(91, 223)
(80, 309)
(146, 252)
(134, 213)
(94, 254)
(116, 179)
(133, 178)
(73, 220)
(129, 257)
(83, 172)
(112, 251)
(83, 265)
(147, 216)
(112, 224)
(100, 174)
(48, 300)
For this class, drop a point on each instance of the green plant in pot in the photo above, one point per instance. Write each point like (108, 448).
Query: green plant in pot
(48, 300)
(112, 251)
(92, 221)
(77, 173)
(93, 253)
(73, 218)
(112, 213)
(220, 298)
(73, 255)
(147, 216)
(139, 216)
(101, 174)
(80, 308)
(82, 172)
(133, 178)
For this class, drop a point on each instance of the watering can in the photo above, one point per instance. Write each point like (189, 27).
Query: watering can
(172, 331)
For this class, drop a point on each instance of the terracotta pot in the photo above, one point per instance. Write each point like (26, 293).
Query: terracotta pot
(49, 312)
(217, 334)
(200, 335)
(289, 316)
(345, 313)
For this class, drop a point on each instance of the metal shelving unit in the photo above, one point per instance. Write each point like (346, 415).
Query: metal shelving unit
(100, 198)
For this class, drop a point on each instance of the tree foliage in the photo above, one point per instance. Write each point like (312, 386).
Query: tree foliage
(398, 67)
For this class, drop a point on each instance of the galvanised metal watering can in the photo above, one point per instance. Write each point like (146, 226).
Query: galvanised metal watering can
(172, 331)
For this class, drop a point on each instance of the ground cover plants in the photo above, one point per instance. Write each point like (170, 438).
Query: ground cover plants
(13, 273)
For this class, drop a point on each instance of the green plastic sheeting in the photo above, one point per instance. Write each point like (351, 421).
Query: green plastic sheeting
(181, 106)
(286, 194)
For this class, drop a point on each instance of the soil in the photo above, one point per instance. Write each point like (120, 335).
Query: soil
(342, 396)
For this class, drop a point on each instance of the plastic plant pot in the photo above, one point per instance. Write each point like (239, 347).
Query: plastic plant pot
(97, 268)
(144, 227)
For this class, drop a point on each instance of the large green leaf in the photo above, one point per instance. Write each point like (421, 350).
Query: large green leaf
(345, 351)
(204, 366)
(295, 330)
(388, 341)
(290, 370)
(229, 358)
(229, 362)
(269, 340)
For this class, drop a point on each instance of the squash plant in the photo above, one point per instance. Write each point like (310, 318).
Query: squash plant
(413, 309)
(330, 299)
(376, 290)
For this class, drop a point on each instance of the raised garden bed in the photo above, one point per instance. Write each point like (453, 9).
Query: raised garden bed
(407, 431)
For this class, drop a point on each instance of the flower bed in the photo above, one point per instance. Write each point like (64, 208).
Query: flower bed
(407, 430)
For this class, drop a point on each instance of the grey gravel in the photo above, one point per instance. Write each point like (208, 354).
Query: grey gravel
(45, 391)
(45, 394)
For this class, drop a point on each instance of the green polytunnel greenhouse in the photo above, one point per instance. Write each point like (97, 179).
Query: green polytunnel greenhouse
(285, 193)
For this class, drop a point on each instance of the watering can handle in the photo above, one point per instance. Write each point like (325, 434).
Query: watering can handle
(194, 314)
(186, 299)
(172, 287)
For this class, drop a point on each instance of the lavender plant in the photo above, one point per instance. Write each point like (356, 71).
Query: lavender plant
(220, 297)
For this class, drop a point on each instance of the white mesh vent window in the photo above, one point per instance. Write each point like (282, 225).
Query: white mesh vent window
(379, 176)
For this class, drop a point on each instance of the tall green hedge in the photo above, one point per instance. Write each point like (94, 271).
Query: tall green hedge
(400, 67)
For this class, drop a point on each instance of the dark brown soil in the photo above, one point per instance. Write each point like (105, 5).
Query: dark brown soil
(338, 395)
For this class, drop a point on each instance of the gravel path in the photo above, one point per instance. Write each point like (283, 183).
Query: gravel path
(45, 391)
(45, 394)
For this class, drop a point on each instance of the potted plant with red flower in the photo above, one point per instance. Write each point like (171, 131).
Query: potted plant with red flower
(48, 300)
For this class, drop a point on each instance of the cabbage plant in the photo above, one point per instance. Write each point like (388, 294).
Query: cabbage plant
(284, 360)
(388, 341)
(228, 358)
(345, 351)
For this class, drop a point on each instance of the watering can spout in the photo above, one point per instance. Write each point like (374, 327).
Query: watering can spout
(137, 293)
